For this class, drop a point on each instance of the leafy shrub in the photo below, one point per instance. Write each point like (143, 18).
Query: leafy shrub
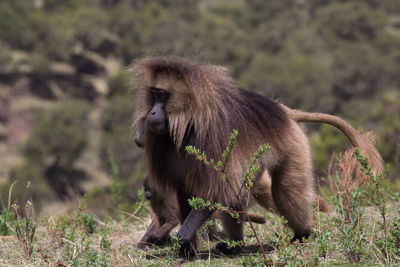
(6, 222)
(59, 135)
(88, 222)
(118, 138)
(119, 84)
(58, 138)
(297, 80)
(352, 20)
(33, 174)
(327, 141)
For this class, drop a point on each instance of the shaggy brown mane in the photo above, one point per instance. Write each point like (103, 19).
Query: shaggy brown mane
(207, 83)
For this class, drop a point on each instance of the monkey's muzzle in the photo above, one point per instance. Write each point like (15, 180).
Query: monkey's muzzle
(156, 120)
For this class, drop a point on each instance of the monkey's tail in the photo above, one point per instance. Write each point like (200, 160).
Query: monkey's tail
(356, 138)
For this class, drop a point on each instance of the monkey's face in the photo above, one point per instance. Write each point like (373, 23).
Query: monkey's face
(156, 119)
(170, 98)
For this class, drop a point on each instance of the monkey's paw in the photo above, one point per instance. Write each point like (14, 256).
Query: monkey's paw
(224, 248)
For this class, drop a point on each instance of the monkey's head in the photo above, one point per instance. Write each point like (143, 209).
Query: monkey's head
(174, 95)
(168, 96)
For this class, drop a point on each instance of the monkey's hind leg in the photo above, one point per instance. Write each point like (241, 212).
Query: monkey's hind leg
(233, 228)
(145, 242)
(293, 194)
(160, 236)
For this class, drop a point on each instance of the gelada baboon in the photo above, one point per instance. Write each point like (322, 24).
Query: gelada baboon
(164, 205)
(186, 103)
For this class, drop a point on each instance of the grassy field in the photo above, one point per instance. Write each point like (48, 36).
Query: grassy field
(82, 240)
(362, 228)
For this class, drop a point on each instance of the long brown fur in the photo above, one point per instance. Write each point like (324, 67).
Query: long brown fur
(203, 108)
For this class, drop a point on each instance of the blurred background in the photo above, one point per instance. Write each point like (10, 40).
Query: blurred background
(66, 108)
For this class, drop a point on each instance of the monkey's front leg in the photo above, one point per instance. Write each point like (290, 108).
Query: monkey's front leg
(188, 229)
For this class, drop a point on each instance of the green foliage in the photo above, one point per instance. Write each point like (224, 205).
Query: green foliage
(33, 174)
(262, 10)
(119, 84)
(57, 141)
(24, 228)
(288, 76)
(387, 115)
(116, 185)
(352, 20)
(84, 219)
(118, 138)
(349, 222)
(358, 72)
(251, 173)
(59, 135)
(6, 222)
(109, 245)
(88, 222)
(327, 141)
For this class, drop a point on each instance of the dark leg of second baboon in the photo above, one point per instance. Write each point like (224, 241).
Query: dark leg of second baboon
(233, 228)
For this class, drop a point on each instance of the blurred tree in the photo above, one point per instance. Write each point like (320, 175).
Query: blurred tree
(271, 35)
(359, 73)
(58, 138)
(324, 144)
(350, 20)
(59, 135)
(265, 10)
(296, 80)
(118, 139)
(133, 25)
(14, 19)
(118, 85)
(387, 115)
(31, 175)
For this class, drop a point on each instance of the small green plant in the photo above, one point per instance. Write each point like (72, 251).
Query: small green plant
(24, 228)
(87, 220)
(84, 219)
(247, 178)
(116, 185)
(175, 245)
(6, 222)
(347, 201)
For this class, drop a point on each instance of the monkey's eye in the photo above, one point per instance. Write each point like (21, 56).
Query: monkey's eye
(159, 95)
